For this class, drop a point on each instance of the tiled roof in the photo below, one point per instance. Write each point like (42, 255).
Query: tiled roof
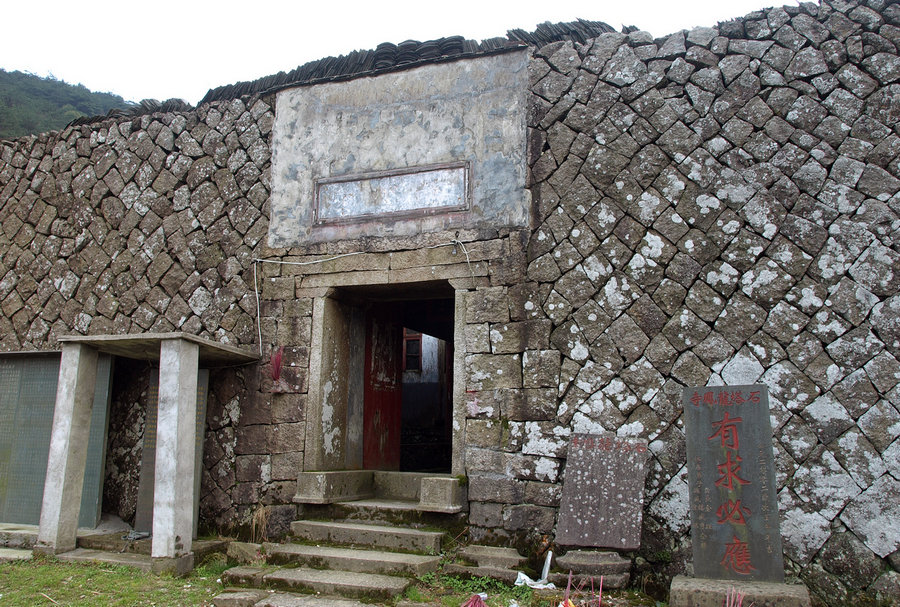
(389, 57)
(386, 57)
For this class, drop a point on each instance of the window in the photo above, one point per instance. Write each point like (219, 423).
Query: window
(412, 350)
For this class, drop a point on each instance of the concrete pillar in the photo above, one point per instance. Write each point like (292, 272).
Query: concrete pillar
(173, 496)
(68, 449)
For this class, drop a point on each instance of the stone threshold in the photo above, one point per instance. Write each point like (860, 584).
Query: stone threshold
(420, 491)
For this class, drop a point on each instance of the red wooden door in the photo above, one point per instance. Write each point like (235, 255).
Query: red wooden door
(383, 392)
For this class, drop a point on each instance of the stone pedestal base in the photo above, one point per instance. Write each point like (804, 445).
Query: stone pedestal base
(179, 566)
(45, 550)
(700, 592)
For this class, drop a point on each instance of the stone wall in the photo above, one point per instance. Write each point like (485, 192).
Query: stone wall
(717, 206)
(720, 205)
(151, 224)
(125, 441)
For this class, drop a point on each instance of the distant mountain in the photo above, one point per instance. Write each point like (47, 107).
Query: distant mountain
(30, 104)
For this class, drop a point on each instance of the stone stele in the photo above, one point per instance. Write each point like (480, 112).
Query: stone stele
(602, 496)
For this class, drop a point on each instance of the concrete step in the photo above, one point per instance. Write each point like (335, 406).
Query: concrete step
(18, 536)
(239, 597)
(593, 562)
(584, 581)
(493, 556)
(286, 599)
(118, 542)
(498, 573)
(370, 586)
(391, 512)
(81, 555)
(348, 559)
(378, 536)
(266, 598)
(246, 576)
(8, 555)
(115, 542)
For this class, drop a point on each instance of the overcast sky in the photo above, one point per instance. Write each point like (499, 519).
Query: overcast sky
(163, 49)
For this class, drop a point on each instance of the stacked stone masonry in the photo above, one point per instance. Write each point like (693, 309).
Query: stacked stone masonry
(718, 206)
(721, 206)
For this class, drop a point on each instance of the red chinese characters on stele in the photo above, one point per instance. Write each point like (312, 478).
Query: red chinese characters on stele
(726, 434)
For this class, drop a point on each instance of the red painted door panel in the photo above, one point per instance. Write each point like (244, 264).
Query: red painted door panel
(383, 392)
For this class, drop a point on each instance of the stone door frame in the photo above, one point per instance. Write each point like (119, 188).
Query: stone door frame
(334, 409)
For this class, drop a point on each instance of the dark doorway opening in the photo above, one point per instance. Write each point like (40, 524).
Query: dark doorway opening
(408, 375)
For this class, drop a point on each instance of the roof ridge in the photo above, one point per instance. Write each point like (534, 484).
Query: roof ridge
(386, 57)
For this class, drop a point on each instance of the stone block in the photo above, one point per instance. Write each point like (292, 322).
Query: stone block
(484, 488)
(514, 337)
(848, 558)
(335, 486)
(699, 592)
(489, 372)
(593, 562)
(253, 440)
(540, 368)
(286, 408)
(287, 466)
(288, 437)
(483, 514)
(537, 519)
(483, 433)
(871, 516)
(281, 287)
(442, 494)
(537, 404)
(493, 556)
(244, 552)
(478, 338)
(487, 305)
(251, 468)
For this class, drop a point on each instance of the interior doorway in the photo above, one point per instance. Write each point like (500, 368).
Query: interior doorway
(427, 397)
(408, 374)
(384, 379)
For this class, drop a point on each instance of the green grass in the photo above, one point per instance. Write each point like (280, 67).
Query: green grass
(46, 581)
(453, 591)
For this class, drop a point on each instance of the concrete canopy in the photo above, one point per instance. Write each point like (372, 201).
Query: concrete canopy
(145, 346)
(179, 356)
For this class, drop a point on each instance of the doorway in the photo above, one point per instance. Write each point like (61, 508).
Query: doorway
(383, 379)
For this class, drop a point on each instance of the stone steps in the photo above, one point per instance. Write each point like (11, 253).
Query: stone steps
(350, 559)
(498, 563)
(390, 512)
(238, 597)
(361, 534)
(336, 582)
(329, 582)
(355, 560)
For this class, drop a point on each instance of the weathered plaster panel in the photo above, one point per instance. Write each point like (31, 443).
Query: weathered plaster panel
(466, 111)
(417, 192)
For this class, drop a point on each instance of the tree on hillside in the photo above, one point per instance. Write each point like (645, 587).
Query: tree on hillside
(30, 104)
